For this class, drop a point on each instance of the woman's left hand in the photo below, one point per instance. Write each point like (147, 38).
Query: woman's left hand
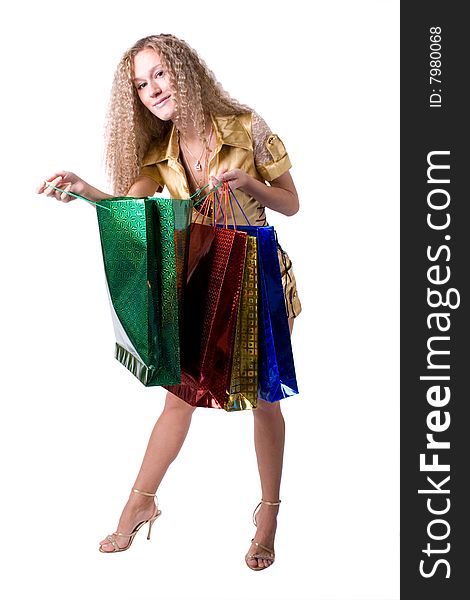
(236, 177)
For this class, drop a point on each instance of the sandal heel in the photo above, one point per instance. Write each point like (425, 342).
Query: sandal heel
(152, 521)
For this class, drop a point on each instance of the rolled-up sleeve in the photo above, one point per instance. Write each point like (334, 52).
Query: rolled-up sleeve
(152, 172)
(270, 154)
(280, 161)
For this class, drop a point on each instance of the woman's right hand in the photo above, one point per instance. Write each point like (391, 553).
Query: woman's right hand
(67, 181)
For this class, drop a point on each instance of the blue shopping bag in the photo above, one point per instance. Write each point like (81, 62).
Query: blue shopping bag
(276, 370)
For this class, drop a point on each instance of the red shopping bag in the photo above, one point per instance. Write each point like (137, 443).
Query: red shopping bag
(215, 272)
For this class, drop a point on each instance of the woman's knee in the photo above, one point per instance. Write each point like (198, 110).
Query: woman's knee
(173, 403)
(265, 409)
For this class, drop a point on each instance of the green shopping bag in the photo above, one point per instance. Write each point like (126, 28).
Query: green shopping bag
(145, 245)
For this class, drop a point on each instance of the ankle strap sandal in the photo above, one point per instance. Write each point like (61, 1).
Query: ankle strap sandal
(268, 553)
(112, 539)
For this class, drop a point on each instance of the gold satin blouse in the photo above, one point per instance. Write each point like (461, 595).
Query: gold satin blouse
(241, 142)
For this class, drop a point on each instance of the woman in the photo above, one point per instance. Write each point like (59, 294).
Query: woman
(170, 124)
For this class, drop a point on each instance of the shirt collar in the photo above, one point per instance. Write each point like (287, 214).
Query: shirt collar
(228, 130)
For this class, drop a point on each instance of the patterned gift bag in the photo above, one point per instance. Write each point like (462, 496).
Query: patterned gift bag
(243, 391)
(211, 301)
(276, 371)
(144, 243)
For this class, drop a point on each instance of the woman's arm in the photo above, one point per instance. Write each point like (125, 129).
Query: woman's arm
(143, 186)
(69, 182)
(280, 195)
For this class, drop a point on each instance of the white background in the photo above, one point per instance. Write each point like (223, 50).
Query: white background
(75, 423)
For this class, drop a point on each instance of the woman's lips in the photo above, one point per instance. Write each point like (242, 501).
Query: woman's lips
(161, 102)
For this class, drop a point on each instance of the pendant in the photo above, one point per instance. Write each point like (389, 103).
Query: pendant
(197, 166)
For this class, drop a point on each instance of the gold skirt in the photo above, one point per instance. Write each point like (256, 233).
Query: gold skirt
(293, 306)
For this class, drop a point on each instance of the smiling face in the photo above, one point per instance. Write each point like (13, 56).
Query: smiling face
(153, 86)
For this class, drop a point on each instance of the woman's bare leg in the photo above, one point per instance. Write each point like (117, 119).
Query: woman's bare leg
(269, 429)
(165, 442)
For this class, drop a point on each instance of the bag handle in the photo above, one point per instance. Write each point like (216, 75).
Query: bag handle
(226, 195)
(123, 197)
(204, 204)
(77, 196)
(231, 194)
(220, 201)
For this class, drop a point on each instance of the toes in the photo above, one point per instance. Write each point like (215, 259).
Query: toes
(261, 563)
(265, 562)
(107, 546)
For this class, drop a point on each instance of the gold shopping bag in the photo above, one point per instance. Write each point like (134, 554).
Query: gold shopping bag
(243, 391)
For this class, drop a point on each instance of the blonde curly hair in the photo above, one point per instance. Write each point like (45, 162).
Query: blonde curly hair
(130, 127)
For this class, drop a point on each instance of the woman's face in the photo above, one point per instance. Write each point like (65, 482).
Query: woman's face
(152, 83)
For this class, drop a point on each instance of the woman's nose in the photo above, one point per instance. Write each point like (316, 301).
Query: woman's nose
(154, 89)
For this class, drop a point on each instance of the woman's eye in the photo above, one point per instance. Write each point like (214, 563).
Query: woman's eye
(140, 86)
(158, 73)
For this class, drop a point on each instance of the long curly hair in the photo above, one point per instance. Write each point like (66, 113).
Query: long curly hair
(130, 128)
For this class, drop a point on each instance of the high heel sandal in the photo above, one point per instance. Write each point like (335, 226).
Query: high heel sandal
(111, 539)
(268, 552)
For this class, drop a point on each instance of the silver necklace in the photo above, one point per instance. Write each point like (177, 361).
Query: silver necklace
(197, 165)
